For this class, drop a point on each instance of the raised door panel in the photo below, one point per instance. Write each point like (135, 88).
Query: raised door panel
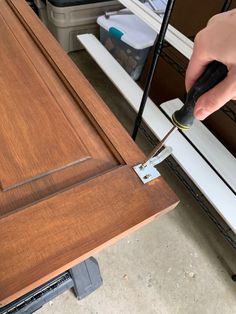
(72, 189)
(36, 138)
(47, 141)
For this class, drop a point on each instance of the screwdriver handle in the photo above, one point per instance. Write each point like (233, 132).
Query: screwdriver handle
(214, 73)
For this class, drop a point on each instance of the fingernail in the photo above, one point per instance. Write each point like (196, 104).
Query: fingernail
(201, 114)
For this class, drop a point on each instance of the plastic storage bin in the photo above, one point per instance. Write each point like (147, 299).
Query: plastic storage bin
(128, 39)
(69, 18)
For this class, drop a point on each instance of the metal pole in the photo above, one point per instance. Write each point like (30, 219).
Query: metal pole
(157, 52)
(226, 5)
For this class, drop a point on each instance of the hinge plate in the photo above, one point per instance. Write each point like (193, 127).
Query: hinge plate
(147, 173)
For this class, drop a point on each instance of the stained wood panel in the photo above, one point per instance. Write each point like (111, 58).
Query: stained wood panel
(51, 220)
(99, 157)
(27, 111)
(106, 209)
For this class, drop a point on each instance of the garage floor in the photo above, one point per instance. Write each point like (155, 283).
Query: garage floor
(179, 263)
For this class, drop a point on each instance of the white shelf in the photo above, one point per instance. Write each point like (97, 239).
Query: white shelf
(209, 146)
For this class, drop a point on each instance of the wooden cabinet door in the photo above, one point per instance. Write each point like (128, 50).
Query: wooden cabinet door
(67, 186)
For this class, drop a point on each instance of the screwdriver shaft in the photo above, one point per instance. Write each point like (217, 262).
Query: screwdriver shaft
(159, 146)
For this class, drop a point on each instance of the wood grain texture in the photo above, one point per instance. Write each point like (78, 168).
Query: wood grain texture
(36, 137)
(63, 230)
(79, 87)
(51, 223)
(102, 158)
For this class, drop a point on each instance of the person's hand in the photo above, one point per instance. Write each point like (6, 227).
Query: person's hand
(215, 42)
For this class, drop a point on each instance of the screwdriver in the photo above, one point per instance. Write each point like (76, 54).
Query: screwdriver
(183, 118)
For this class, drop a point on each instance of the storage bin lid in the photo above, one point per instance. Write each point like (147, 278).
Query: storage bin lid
(129, 29)
(70, 3)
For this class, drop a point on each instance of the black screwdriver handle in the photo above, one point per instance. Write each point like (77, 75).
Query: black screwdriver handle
(214, 73)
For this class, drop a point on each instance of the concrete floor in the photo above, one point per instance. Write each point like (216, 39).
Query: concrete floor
(179, 263)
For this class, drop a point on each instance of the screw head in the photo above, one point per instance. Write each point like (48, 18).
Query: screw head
(147, 176)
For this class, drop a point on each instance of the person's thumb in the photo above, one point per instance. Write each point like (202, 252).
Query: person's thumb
(216, 97)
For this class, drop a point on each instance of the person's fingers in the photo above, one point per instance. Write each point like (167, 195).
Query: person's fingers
(217, 17)
(195, 68)
(221, 16)
(197, 63)
(216, 97)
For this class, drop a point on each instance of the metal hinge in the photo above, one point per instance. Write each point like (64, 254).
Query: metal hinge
(147, 171)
